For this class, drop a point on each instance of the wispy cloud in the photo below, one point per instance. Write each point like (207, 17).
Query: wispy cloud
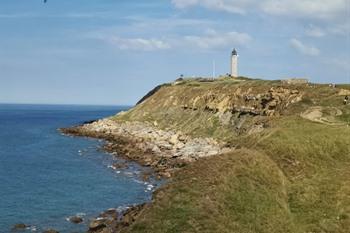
(18, 16)
(314, 31)
(73, 15)
(213, 39)
(139, 44)
(232, 6)
(303, 48)
(320, 9)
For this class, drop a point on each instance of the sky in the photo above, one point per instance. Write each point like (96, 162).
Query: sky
(112, 52)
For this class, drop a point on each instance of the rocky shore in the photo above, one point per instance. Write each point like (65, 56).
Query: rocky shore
(164, 151)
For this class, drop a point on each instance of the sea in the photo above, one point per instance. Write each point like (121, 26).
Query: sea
(46, 177)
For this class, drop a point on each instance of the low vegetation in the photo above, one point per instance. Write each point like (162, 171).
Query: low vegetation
(292, 176)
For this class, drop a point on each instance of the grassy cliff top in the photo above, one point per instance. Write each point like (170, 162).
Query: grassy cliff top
(290, 172)
(227, 108)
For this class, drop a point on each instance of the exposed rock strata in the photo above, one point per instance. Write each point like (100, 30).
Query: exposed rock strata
(268, 103)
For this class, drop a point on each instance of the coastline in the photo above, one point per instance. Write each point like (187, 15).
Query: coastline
(165, 151)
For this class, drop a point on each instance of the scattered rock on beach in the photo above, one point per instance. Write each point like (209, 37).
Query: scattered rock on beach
(97, 224)
(110, 213)
(118, 165)
(148, 145)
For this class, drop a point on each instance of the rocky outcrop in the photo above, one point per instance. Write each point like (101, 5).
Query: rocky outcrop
(295, 81)
(246, 102)
(344, 92)
(142, 142)
(109, 221)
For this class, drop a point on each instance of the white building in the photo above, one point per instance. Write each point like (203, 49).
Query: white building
(234, 64)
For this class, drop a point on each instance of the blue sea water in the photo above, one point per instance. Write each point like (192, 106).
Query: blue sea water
(46, 177)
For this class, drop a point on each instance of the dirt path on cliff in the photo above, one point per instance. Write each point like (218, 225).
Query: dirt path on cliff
(323, 115)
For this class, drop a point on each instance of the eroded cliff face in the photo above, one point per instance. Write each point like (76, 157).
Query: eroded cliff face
(265, 103)
(216, 108)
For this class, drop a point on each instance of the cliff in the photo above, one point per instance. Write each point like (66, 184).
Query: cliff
(242, 155)
(228, 109)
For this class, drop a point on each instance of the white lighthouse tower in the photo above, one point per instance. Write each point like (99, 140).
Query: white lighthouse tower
(234, 63)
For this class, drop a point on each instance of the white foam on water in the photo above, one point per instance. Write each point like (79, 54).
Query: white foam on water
(81, 214)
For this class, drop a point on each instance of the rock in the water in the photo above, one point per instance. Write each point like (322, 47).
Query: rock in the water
(19, 226)
(76, 219)
(50, 231)
(119, 165)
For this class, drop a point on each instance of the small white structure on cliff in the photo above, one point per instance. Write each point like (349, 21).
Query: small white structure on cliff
(234, 63)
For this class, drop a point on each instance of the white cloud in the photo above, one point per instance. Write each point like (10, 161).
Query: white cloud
(320, 9)
(232, 6)
(184, 3)
(314, 31)
(139, 44)
(213, 39)
(304, 49)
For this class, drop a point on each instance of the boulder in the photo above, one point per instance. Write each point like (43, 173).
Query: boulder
(344, 92)
(130, 214)
(110, 213)
(19, 226)
(75, 219)
(174, 139)
(119, 165)
(50, 231)
(295, 92)
(156, 149)
(97, 224)
(179, 145)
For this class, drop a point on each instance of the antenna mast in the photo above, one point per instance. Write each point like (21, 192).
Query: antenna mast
(214, 69)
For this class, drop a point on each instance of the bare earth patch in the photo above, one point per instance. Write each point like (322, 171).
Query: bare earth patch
(323, 115)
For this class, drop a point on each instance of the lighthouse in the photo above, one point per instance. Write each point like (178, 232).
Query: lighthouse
(234, 63)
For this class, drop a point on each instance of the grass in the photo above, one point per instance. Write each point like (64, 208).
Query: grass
(292, 177)
(230, 193)
(295, 180)
(315, 159)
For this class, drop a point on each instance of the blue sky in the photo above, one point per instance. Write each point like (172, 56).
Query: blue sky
(114, 51)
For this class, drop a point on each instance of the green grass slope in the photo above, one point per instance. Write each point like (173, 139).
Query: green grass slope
(294, 176)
